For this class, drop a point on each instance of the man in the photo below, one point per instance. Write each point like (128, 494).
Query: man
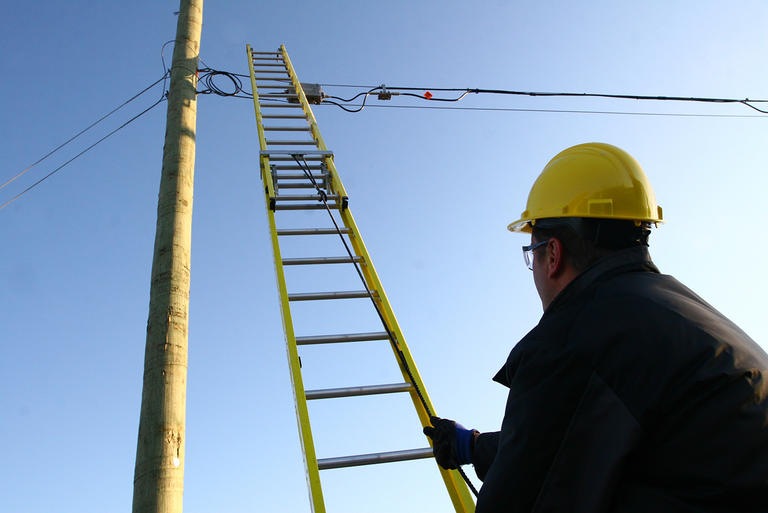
(631, 394)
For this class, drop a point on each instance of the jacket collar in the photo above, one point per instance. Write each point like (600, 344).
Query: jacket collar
(627, 260)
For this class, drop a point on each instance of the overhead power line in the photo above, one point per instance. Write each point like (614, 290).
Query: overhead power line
(554, 111)
(81, 132)
(384, 92)
(234, 88)
(86, 150)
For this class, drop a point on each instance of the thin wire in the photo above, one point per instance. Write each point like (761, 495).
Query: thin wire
(162, 52)
(81, 153)
(81, 132)
(556, 111)
(323, 197)
(174, 42)
(745, 101)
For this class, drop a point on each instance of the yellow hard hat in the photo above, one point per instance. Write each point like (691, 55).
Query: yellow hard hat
(594, 180)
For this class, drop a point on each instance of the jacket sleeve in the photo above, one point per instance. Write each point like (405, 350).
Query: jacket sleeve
(563, 440)
(485, 452)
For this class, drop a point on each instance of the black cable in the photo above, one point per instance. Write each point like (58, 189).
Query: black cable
(617, 96)
(747, 102)
(556, 111)
(81, 132)
(433, 99)
(208, 79)
(81, 153)
(362, 105)
(342, 107)
(358, 95)
(391, 336)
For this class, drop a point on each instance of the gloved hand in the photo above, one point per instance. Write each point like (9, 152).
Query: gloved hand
(452, 443)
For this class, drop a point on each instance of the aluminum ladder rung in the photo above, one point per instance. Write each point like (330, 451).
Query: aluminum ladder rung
(304, 184)
(291, 143)
(301, 182)
(270, 64)
(306, 206)
(331, 393)
(287, 129)
(296, 171)
(283, 116)
(301, 153)
(271, 71)
(279, 105)
(319, 296)
(375, 458)
(296, 167)
(300, 176)
(297, 186)
(305, 197)
(289, 157)
(322, 260)
(278, 95)
(311, 231)
(342, 338)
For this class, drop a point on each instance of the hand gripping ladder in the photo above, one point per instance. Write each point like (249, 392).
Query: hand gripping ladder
(289, 162)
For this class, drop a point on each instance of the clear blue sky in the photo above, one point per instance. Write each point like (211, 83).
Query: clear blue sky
(432, 191)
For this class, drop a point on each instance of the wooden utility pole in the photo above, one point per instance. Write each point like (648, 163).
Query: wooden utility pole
(158, 484)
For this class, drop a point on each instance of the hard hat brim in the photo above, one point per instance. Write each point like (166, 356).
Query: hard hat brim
(520, 226)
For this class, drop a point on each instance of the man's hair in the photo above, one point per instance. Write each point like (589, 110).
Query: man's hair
(587, 240)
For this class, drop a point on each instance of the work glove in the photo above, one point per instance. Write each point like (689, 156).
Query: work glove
(452, 443)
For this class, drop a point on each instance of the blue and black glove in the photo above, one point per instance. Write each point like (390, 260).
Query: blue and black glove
(452, 443)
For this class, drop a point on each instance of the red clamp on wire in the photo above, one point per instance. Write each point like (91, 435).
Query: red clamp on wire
(428, 95)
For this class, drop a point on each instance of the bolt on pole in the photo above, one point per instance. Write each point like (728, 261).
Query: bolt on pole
(159, 473)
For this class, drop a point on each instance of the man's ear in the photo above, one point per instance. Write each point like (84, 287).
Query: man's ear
(555, 258)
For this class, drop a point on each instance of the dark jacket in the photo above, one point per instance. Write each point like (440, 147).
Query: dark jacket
(632, 394)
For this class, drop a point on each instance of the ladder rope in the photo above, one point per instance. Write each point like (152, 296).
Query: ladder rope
(304, 165)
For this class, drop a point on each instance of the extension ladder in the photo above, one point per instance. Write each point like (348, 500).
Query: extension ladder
(290, 162)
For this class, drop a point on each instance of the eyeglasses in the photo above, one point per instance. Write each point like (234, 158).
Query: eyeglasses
(528, 252)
